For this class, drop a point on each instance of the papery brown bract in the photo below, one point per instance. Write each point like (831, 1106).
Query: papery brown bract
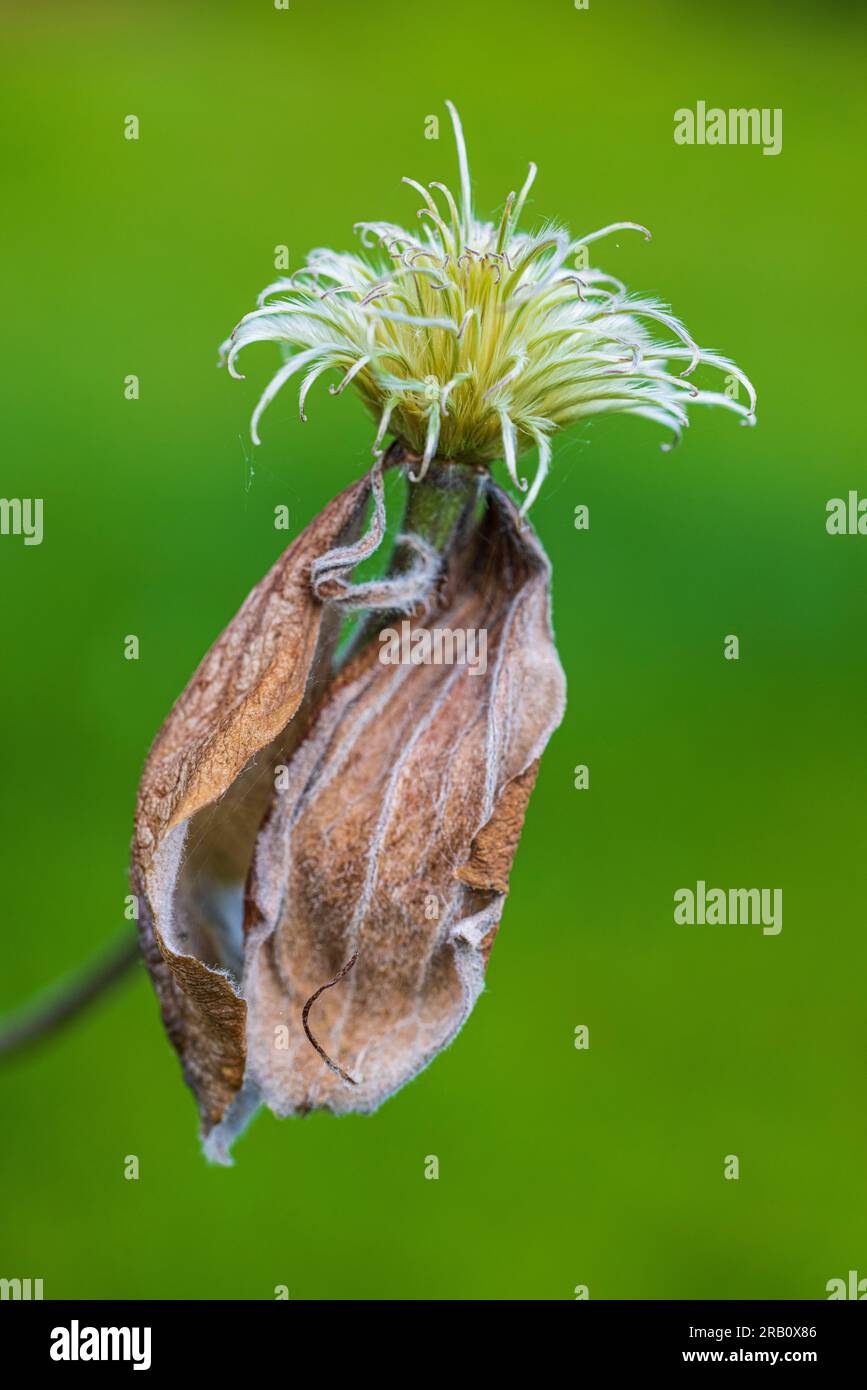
(390, 833)
(203, 791)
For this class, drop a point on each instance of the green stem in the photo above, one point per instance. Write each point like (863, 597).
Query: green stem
(435, 504)
(45, 1017)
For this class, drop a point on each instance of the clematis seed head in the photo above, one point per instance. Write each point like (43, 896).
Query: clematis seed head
(325, 828)
(476, 341)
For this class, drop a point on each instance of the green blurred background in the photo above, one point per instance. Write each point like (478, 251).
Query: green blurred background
(557, 1167)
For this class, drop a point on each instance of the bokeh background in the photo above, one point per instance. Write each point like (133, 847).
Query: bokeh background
(262, 127)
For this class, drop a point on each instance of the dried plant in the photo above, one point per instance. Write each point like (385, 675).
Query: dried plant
(324, 837)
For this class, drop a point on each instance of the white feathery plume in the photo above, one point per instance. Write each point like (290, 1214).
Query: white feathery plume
(474, 341)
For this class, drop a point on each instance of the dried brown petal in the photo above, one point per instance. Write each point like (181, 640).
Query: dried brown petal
(390, 837)
(201, 799)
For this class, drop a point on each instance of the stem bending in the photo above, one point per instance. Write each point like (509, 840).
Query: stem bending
(39, 1020)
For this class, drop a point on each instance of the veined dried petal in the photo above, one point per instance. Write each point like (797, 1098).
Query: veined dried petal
(204, 788)
(395, 837)
(389, 835)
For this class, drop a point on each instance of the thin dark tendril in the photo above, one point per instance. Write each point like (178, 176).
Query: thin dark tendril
(341, 974)
(48, 1015)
